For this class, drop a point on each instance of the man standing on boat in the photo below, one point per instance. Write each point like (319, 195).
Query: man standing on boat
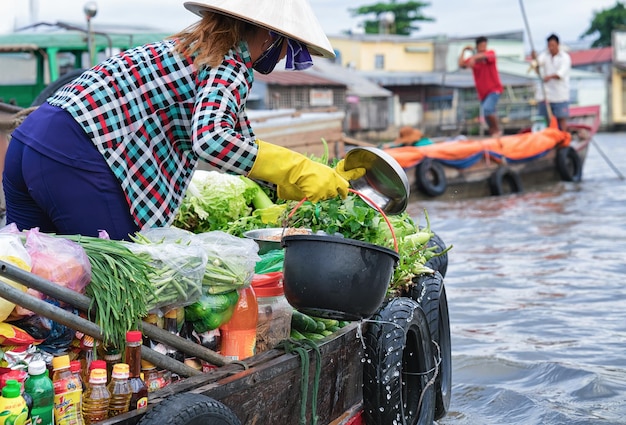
(487, 80)
(553, 89)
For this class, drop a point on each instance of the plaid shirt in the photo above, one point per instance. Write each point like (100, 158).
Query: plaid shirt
(152, 116)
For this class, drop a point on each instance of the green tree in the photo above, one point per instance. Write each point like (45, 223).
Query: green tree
(603, 24)
(405, 15)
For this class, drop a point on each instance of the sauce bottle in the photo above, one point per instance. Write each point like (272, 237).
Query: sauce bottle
(238, 335)
(68, 393)
(120, 391)
(76, 369)
(139, 397)
(97, 398)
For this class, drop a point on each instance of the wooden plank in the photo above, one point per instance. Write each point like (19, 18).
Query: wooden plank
(268, 392)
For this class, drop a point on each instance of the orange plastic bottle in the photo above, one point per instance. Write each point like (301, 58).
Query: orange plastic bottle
(239, 334)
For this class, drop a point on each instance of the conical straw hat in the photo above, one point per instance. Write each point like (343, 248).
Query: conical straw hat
(291, 18)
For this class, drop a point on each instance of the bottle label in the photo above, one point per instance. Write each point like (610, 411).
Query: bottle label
(42, 416)
(14, 411)
(142, 403)
(67, 398)
(239, 344)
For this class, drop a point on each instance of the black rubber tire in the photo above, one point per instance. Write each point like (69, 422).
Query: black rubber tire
(430, 177)
(505, 181)
(429, 292)
(399, 366)
(569, 164)
(440, 262)
(56, 85)
(189, 409)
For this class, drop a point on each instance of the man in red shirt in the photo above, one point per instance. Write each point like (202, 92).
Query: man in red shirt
(487, 80)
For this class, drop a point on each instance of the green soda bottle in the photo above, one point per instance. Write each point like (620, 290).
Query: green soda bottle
(41, 390)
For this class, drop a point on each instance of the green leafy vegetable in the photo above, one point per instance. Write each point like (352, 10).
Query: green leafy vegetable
(213, 200)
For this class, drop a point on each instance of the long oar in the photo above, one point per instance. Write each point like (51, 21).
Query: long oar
(532, 47)
(606, 159)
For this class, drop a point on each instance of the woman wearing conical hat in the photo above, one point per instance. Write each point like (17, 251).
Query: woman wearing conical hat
(115, 148)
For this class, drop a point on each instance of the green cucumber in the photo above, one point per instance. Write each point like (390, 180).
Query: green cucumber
(313, 336)
(296, 335)
(329, 323)
(303, 322)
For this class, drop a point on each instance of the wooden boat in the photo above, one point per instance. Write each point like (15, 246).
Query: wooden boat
(394, 364)
(459, 169)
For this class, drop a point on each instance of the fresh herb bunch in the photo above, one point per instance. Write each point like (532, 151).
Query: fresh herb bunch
(118, 287)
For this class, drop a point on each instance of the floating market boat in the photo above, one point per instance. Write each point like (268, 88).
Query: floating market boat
(391, 366)
(469, 168)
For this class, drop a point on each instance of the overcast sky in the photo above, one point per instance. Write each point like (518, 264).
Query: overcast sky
(567, 18)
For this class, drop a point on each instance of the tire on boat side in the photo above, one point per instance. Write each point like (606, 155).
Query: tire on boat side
(399, 366)
(440, 262)
(504, 181)
(189, 409)
(569, 164)
(430, 293)
(55, 85)
(430, 177)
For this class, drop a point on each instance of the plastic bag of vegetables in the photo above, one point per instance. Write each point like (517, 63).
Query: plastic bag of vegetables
(176, 271)
(12, 251)
(231, 261)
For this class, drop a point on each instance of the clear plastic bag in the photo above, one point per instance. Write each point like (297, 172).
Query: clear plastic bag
(177, 270)
(231, 261)
(12, 251)
(58, 260)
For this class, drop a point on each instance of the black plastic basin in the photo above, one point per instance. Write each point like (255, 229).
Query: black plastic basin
(336, 278)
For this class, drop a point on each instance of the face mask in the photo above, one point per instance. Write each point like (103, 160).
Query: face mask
(270, 57)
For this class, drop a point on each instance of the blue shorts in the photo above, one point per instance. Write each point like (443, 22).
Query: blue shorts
(559, 109)
(489, 103)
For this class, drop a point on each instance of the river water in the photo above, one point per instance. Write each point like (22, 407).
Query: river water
(536, 288)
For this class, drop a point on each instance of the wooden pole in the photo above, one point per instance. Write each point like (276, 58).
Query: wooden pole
(532, 47)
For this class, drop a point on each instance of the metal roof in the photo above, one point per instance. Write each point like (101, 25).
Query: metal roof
(295, 78)
(73, 40)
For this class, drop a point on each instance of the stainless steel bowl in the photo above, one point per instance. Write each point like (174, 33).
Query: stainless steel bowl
(384, 182)
(268, 239)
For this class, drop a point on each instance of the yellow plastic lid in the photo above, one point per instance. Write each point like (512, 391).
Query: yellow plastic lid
(61, 362)
(145, 364)
(98, 376)
(120, 371)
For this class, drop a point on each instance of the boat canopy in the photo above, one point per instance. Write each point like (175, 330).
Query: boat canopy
(465, 153)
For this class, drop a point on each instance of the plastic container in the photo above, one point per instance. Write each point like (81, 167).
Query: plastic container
(274, 318)
(12, 405)
(17, 375)
(112, 356)
(151, 376)
(238, 336)
(68, 393)
(120, 391)
(87, 346)
(139, 396)
(76, 368)
(97, 398)
(39, 387)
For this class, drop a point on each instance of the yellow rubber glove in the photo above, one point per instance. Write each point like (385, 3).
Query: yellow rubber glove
(292, 192)
(352, 174)
(286, 169)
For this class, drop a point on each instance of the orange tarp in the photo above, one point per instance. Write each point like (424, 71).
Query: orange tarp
(516, 147)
